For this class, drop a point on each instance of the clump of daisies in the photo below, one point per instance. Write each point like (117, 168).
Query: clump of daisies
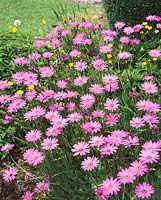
(87, 102)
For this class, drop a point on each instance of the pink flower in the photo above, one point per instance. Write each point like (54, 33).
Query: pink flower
(33, 156)
(47, 55)
(128, 30)
(149, 156)
(110, 78)
(139, 168)
(111, 186)
(35, 56)
(3, 84)
(96, 141)
(10, 174)
(126, 176)
(151, 118)
(111, 104)
(35, 113)
(39, 43)
(33, 135)
(144, 190)
(61, 84)
(147, 78)
(96, 89)
(91, 127)
(124, 40)
(46, 71)
(53, 131)
(130, 141)
(137, 122)
(5, 99)
(86, 101)
(70, 106)
(112, 119)
(74, 117)
(49, 143)
(81, 148)
(89, 163)
(154, 53)
(30, 95)
(27, 195)
(55, 43)
(149, 87)
(105, 49)
(107, 149)
(124, 55)
(99, 64)
(80, 80)
(119, 25)
(80, 66)
(41, 186)
(60, 122)
(98, 113)
(7, 147)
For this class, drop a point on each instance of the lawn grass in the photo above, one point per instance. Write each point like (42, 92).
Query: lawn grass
(31, 12)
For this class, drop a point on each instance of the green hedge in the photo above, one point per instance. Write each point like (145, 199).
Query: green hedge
(131, 11)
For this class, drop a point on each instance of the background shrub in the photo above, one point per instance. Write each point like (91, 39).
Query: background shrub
(129, 11)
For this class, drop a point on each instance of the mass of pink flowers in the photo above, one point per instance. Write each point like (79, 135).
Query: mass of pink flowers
(88, 98)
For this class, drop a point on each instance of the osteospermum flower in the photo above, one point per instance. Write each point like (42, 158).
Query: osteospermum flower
(124, 55)
(10, 174)
(33, 135)
(28, 195)
(7, 147)
(80, 66)
(33, 156)
(89, 163)
(144, 190)
(41, 186)
(96, 141)
(111, 186)
(49, 143)
(81, 80)
(91, 127)
(112, 119)
(96, 89)
(112, 104)
(137, 122)
(81, 148)
(155, 53)
(126, 176)
(139, 168)
(149, 87)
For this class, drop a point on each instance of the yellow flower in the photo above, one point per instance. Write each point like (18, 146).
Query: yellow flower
(155, 59)
(31, 87)
(109, 55)
(145, 23)
(62, 51)
(110, 62)
(20, 92)
(156, 31)
(71, 64)
(144, 63)
(142, 49)
(10, 83)
(149, 60)
(160, 40)
(110, 44)
(12, 97)
(148, 27)
(14, 29)
(141, 32)
(43, 21)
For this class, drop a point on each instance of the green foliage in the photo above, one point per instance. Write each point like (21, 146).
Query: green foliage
(130, 11)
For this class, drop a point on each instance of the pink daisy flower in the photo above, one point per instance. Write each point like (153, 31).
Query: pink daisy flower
(137, 122)
(91, 127)
(148, 78)
(98, 113)
(96, 141)
(130, 141)
(89, 163)
(151, 118)
(27, 195)
(107, 149)
(128, 30)
(105, 49)
(81, 148)
(144, 190)
(149, 156)
(99, 64)
(41, 186)
(112, 119)
(110, 78)
(46, 71)
(81, 80)
(33, 156)
(139, 168)
(96, 89)
(80, 66)
(111, 104)
(111, 186)
(155, 53)
(149, 87)
(126, 176)
(10, 174)
(7, 147)
(33, 135)
(70, 106)
(49, 143)
(74, 117)
(61, 84)
(119, 25)
(53, 131)
(124, 55)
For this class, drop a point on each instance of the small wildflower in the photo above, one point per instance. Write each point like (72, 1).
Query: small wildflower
(31, 87)
(71, 64)
(109, 55)
(142, 49)
(20, 92)
(10, 83)
(14, 29)
(43, 21)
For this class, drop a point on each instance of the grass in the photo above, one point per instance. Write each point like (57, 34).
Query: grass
(31, 12)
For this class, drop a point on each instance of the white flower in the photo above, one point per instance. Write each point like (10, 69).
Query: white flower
(17, 22)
